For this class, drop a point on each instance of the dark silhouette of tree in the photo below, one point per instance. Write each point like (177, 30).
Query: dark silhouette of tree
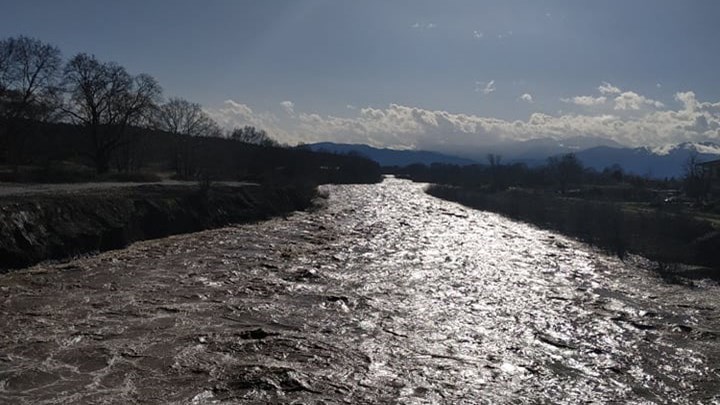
(614, 172)
(29, 89)
(249, 134)
(136, 109)
(494, 160)
(495, 171)
(187, 121)
(695, 183)
(567, 169)
(182, 117)
(113, 118)
(107, 101)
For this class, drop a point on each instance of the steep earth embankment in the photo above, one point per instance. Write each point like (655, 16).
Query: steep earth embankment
(43, 226)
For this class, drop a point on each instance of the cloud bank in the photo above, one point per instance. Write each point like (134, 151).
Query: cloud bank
(621, 100)
(623, 116)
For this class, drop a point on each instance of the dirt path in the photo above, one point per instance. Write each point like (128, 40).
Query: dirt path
(9, 189)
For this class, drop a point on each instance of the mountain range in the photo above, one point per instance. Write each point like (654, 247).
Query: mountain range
(659, 162)
(597, 153)
(391, 157)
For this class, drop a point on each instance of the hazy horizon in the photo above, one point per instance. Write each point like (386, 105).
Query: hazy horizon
(420, 74)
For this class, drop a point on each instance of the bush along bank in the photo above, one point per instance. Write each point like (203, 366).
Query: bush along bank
(40, 227)
(658, 236)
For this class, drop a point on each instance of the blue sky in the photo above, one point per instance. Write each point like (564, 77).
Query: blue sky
(426, 74)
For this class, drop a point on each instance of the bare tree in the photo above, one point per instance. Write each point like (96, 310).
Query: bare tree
(493, 159)
(136, 110)
(691, 165)
(29, 88)
(695, 182)
(566, 168)
(107, 101)
(249, 134)
(495, 171)
(29, 77)
(187, 121)
(181, 117)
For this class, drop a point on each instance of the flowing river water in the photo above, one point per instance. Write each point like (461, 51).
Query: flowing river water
(384, 295)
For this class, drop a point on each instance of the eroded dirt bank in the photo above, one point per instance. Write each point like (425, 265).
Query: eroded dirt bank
(40, 226)
(387, 295)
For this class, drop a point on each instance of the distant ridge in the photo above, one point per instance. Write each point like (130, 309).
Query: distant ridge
(656, 162)
(391, 157)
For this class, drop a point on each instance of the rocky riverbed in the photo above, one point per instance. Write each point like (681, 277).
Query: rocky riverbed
(386, 295)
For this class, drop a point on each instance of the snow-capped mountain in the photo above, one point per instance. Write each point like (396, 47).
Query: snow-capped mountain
(391, 157)
(657, 162)
(536, 151)
(703, 148)
(598, 153)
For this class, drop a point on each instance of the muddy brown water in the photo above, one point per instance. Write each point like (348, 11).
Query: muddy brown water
(385, 295)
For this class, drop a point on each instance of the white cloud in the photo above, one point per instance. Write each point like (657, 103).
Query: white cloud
(233, 115)
(404, 126)
(424, 26)
(658, 85)
(351, 107)
(478, 34)
(505, 35)
(622, 101)
(485, 88)
(527, 97)
(586, 101)
(289, 107)
(607, 88)
(691, 104)
(630, 100)
(688, 100)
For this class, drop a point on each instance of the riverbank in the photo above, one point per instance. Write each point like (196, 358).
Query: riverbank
(667, 238)
(42, 226)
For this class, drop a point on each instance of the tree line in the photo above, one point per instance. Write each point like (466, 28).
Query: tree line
(564, 174)
(110, 105)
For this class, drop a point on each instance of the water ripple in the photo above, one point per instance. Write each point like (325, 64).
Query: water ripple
(385, 295)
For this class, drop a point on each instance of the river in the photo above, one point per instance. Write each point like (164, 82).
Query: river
(384, 295)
